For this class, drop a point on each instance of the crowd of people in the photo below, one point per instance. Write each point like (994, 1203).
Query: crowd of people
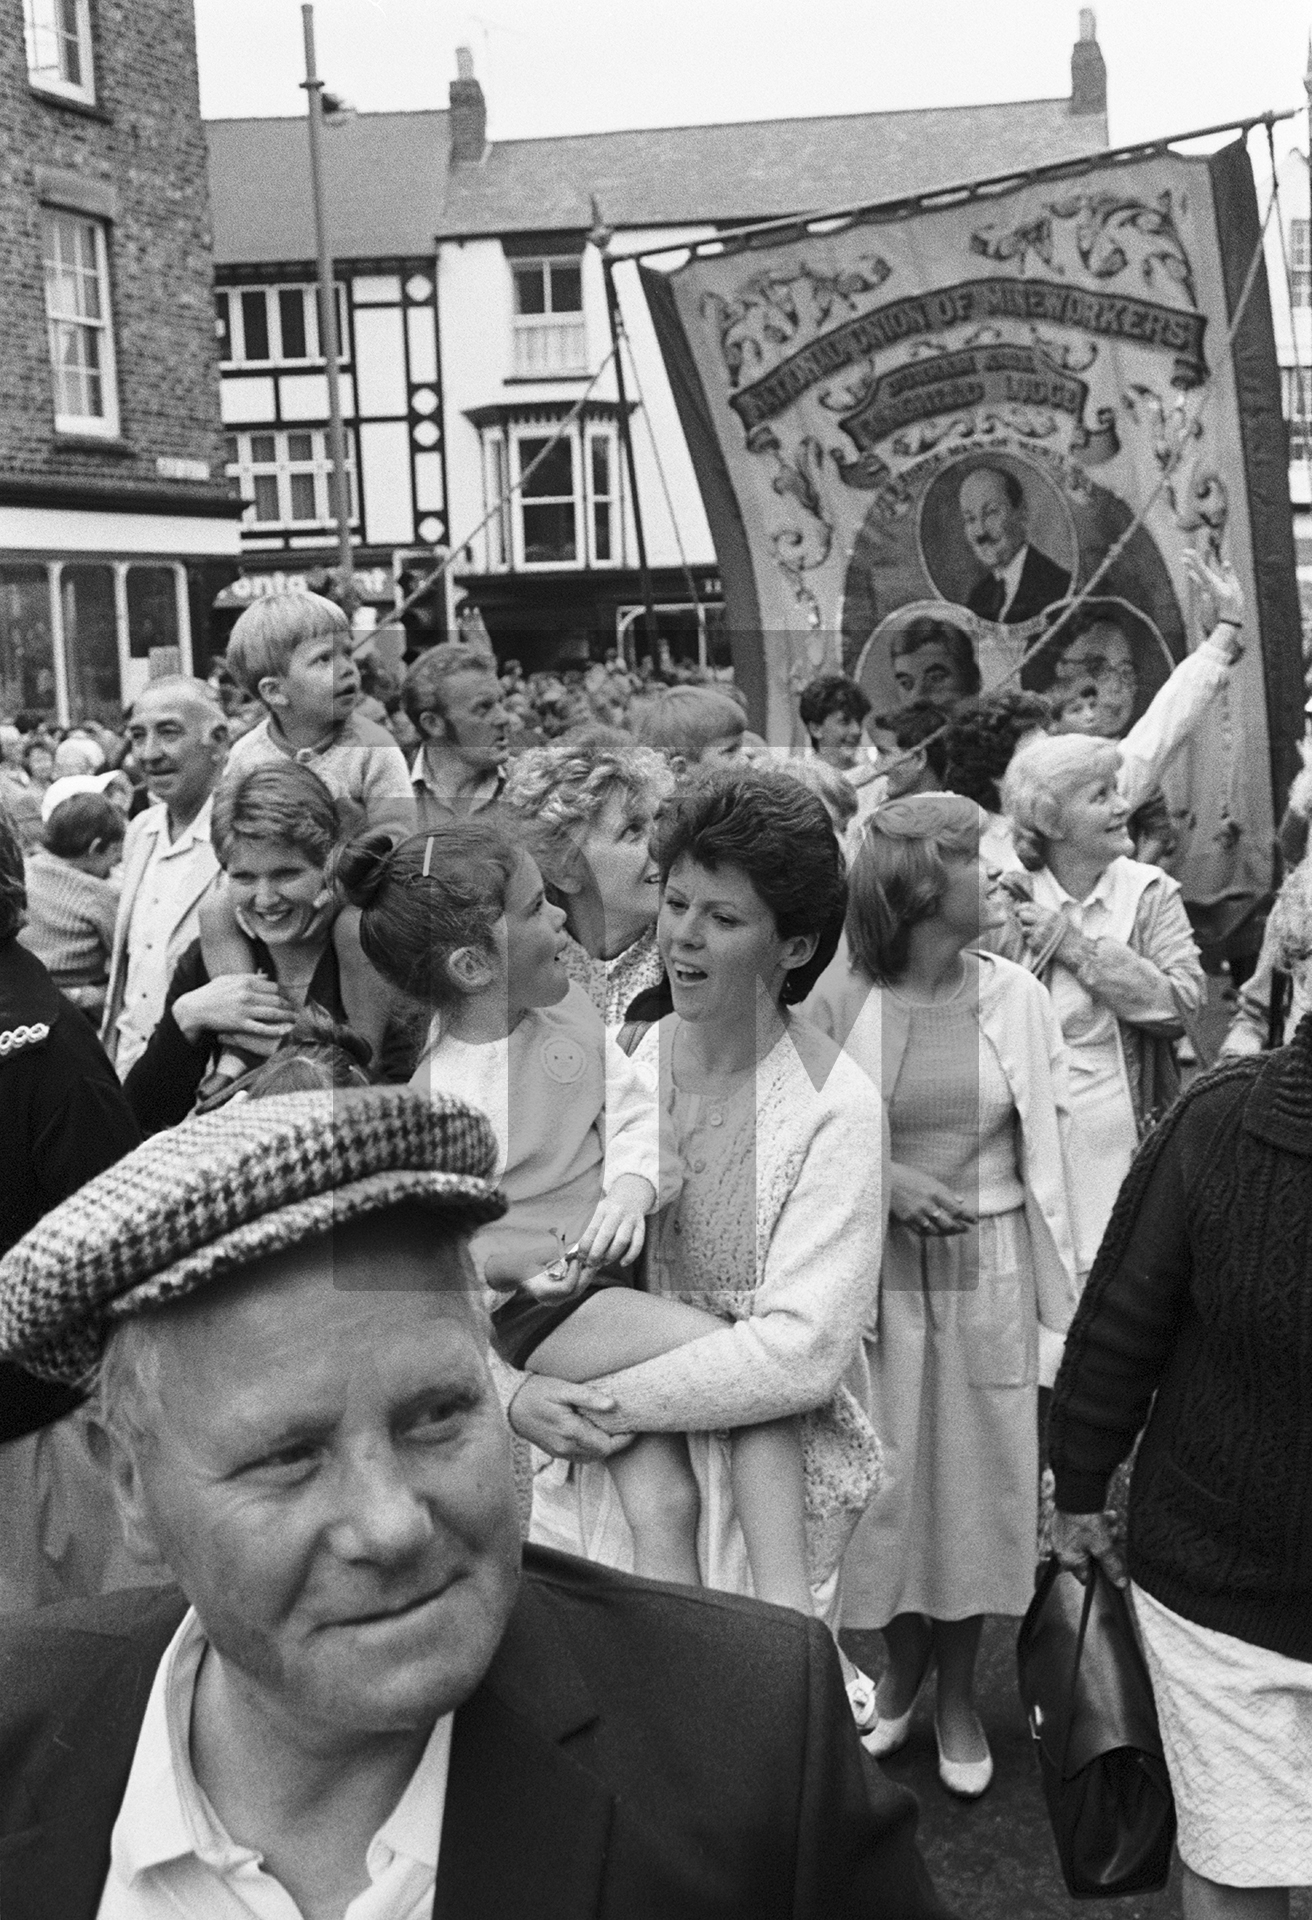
(806, 1141)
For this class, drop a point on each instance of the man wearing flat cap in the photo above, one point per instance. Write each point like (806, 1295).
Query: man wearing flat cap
(361, 1699)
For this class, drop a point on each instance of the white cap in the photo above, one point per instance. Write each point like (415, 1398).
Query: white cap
(73, 783)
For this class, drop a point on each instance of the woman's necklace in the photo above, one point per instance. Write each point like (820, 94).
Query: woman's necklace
(937, 999)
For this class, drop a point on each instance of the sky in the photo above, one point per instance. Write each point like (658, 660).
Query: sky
(577, 66)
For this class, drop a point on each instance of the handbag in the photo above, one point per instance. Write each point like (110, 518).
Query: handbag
(1090, 1706)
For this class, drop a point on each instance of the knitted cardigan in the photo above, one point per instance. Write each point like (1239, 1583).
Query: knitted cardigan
(1200, 1305)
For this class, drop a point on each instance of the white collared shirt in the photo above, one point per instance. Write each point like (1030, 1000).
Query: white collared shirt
(177, 870)
(171, 1859)
(1010, 578)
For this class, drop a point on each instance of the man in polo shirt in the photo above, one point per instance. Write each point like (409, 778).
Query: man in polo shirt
(362, 1699)
(179, 739)
(454, 698)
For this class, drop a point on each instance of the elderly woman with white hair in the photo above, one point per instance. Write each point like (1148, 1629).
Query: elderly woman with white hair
(1195, 1319)
(586, 803)
(1109, 936)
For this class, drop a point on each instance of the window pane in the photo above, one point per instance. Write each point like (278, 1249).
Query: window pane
(70, 62)
(262, 452)
(554, 479)
(291, 317)
(566, 289)
(300, 446)
(152, 610)
(600, 450)
(549, 533)
(230, 449)
(266, 497)
(601, 530)
(530, 296)
(303, 507)
(255, 325)
(27, 642)
(221, 329)
(90, 642)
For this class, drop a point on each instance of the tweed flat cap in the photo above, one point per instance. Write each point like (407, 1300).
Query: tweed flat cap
(223, 1189)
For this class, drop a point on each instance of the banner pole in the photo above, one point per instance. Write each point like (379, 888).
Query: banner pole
(655, 651)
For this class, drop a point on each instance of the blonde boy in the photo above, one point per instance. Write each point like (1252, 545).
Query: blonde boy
(292, 653)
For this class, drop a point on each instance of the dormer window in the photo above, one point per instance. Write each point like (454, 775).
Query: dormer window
(549, 334)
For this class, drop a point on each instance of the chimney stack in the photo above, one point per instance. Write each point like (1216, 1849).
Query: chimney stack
(468, 113)
(1088, 69)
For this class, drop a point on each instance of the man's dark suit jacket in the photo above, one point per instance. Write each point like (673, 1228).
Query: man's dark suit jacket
(635, 1752)
(1041, 582)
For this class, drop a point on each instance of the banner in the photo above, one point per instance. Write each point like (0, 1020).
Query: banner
(918, 430)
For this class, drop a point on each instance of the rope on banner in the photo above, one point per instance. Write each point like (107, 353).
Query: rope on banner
(665, 489)
(430, 580)
(1114, 552)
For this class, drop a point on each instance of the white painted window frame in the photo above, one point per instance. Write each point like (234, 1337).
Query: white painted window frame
(314, 356)
(41, 77)
(282, 467)
(104, 425)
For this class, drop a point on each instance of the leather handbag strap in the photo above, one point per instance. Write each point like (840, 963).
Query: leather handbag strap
(1086, 1610)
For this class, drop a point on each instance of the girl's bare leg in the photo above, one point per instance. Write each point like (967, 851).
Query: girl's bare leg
(658, 1492)
(770, 1500)
(617, 1328)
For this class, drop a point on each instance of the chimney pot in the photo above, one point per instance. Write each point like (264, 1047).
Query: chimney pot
(1088, 68)
(468, 113)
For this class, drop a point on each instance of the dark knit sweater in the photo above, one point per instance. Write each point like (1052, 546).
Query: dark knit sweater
(1201, 1295)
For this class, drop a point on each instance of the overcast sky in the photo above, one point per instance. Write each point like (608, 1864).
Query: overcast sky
(575, 66)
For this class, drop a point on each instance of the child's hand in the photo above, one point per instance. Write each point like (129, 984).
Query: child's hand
(616, 1231)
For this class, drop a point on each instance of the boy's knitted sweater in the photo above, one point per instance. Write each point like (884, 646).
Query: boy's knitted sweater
(361, 764)
(1200, 1307)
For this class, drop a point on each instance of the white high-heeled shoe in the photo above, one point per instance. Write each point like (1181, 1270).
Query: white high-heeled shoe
(968, 1779)
(888, 1735)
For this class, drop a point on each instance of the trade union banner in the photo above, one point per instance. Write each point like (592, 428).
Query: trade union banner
(920, 430)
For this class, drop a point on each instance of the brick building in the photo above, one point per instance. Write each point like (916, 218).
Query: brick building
(117, 525)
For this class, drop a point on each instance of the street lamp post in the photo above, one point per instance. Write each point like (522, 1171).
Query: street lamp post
(341, 491)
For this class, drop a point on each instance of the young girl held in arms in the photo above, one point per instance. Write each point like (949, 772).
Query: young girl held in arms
(458, 920)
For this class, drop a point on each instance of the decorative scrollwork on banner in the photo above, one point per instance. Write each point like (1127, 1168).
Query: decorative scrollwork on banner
(771, 310)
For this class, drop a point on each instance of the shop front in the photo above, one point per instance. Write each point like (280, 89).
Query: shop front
(93, 605)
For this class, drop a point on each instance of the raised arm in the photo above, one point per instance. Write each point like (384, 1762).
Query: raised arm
(1175, 710)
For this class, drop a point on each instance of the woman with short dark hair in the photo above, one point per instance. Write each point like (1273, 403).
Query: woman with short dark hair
(978, 1281)
(833, 708)
(773, 1231)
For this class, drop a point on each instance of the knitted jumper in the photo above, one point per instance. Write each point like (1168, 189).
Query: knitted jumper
(1201, 1296)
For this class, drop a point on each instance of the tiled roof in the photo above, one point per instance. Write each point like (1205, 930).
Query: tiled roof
(755, 170)
(383, 179)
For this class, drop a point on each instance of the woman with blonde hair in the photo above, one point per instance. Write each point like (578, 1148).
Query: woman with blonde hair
(585, 806)
(1109, 937)
(978, 1279)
